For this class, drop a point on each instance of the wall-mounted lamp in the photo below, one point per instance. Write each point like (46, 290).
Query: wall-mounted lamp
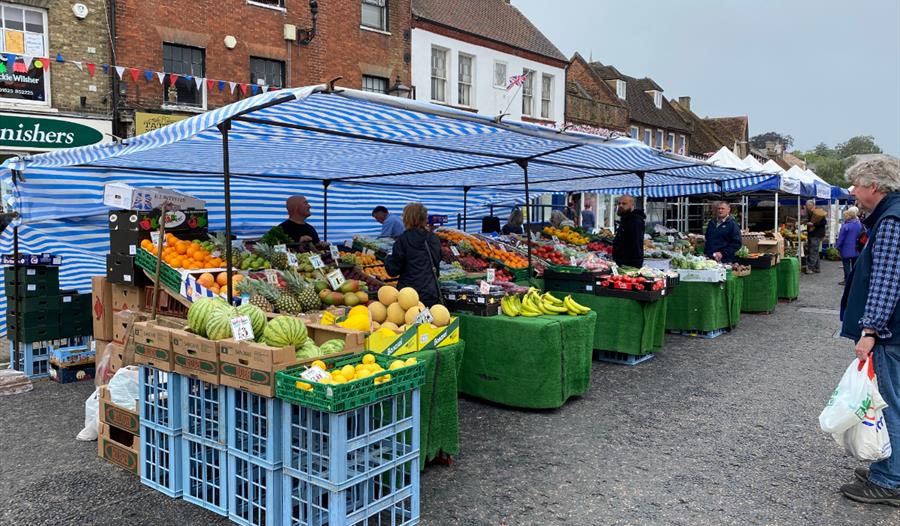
(305, 36)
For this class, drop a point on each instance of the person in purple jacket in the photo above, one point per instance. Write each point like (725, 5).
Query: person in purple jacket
(846, 241)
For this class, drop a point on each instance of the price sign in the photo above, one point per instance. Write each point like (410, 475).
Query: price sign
(336, 279)
(154, 237)
(280, 248)
(454, 251)
(535, 236)
(292, 259)
(241, 328)
(555, 240)
(425, 316)
(272, 276)
(614, 269)
(328, 318)
(316, 262)
(369, 252)
(491, 275)
(335, 253)
(671, 239)
(315, 374)
(485, 288)
(572, 261)
(216, 253)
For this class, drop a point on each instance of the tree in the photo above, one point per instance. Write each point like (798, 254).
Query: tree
(822, 150)
(759, 141)
(861, 144)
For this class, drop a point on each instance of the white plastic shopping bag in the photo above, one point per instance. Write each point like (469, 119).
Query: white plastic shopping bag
(869, 439)
(849, 400)
(91, 417)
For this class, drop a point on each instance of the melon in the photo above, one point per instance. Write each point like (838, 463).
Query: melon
(408, 298)
(285, 330)
(332, 346)
(441, 315)
(387, 295)
(396, 313)
(378, 311)
(358, 310)
(218, 324)
(257, 318)
(421, 305)
(351, 299)
(356, 323)
(199, 312)
(389, 325)
(411, 315)
(308, 350)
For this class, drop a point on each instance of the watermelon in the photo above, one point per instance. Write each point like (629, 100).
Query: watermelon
(257, 318)
(308, 350)
(332, 346)
(199, 313)
(283, 331)
(218, 325)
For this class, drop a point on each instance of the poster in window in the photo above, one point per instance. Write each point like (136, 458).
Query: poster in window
(34, 45)
(21, 85)
(15, 42)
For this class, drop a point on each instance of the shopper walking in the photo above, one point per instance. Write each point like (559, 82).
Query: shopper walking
(416, 256)
(628, 245)
(815, 233)
(870, 315)
(846, 240)
(588, 220)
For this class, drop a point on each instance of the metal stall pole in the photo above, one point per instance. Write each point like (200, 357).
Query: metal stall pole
(776, 212)
(643, 192)
(325, 184)
(465, 224)
(226, 170)
(17, 340)
(524, 164)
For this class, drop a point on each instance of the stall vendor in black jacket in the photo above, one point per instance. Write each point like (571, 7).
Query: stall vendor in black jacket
(723, 235)
(416, 256)
(628, 245)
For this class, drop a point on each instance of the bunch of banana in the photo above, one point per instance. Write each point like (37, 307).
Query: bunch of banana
(511, 306)
(533, 303)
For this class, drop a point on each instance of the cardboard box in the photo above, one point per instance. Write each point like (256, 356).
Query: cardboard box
(123, 196)
(124, 418)
(354, 341)
(714, 275)
(196, 356)
(391, 343)
(68, 375)
(101, 308)
(119, 447)
(73, 356)
(431, 337)
(122, 324)
(127, 297)
(252, 366)
(153, 345)
(117, 358)
(773, 245)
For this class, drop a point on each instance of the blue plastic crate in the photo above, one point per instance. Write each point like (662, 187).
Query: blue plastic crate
(337, 450)
(203, 410)
(160, 398)
(389, 496)
(254, 492)
(254, 426)
(34, 358)
(161, 459)
(205, 475)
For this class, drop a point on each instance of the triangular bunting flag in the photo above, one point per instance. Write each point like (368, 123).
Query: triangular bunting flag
(105, 68)
(161, 76)
(78, 65)
(148, 75)
(232, 85)
(91, 68)
(244, 89)
(199, 82)
(119, 71)
(10, 62)
(173, 78)
(222, 85)
(59, 57)
(265, 88)
(134, 74)
(28, 61)
(254, 88)
(209, 84)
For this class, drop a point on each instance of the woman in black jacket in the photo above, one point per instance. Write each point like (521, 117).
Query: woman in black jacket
(416, 256)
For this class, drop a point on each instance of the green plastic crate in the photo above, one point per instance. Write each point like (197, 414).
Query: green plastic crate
(29, 304)
(168, 276)
(337, 398)
(567, 268)
(47, 276)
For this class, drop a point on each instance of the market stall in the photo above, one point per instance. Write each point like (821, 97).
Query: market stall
(788, 278)
(627, 326)
(760, 290)
(705, 308)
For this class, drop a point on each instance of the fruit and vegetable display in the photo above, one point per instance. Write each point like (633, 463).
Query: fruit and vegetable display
(471, 245)
(600, 247)
(567, 234)
(637, 283)
(187, 255)
(550, 254)
(690, 262)
(533, 303)
(396, 310)
(367, 368)
(295, 296)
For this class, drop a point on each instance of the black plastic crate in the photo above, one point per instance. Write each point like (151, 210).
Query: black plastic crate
(48, 276)
(28, 304)
(18, 330)
(764, 261)
(124, 270)
(478, 309)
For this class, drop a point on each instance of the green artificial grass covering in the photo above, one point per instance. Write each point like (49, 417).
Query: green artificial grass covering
(789, 278)
(439, 406)
(626, 326)
(705, 307)
(535, 363)
(760, 290)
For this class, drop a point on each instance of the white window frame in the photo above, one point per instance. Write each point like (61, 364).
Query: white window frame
(461, 84)
(547, 96)
(376, 78)
(660, 139)
(621, 89)
(191, 108)
(528, 92)
(47, 95)
(682, 147)
(263, 4)
(378, 4)
(443, 79)
(634, 132)
(648, 137)
(505, 79)
(657, 98)
(670, 143)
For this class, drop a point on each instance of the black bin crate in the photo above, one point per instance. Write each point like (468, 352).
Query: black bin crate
(127, 228)
(19, 329)
(33, 275)
(123, 270)
(28, 304)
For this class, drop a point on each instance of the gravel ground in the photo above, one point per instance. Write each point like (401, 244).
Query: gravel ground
(721, 431)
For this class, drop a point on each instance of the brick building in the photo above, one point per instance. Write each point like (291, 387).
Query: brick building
(45, 104)
(251, 43)
(590, 102)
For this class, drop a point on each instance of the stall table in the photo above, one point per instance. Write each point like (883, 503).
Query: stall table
(760, 290)
(705, 307)
(439, 408)
(788, 271)
(535, 363)
(626, 326)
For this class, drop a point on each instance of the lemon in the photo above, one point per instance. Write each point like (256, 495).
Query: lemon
(304, 386)
(326, 381)
(385, 378)
(338, 380)
(349, 372)
(320, 364)
(363, 373)
(410, 361)
(360, 366)
(367, 359)
(397, 364)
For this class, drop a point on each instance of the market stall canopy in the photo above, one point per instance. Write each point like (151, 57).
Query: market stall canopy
(726, 158)
(823, 188)
(772, 167)
(752, 164)
(348, 137)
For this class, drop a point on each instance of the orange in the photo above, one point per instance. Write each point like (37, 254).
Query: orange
(181, 247)
(206, 279)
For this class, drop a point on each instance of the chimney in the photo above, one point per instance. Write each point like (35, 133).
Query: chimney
(770, 148)
(684, 102)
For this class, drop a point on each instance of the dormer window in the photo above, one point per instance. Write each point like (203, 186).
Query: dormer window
(620, 89)
(657, 97)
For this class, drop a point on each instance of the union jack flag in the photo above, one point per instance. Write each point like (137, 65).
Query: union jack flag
(516, 80)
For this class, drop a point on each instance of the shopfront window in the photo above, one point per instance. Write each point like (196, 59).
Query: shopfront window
(265, 72)
(24, 34)
(188, 63)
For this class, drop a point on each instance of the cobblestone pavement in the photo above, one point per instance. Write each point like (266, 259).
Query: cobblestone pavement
(720, 431)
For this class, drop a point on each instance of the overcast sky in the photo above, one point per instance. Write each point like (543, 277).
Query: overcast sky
(819, 70)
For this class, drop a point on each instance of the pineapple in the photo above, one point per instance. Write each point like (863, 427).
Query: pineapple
(283, 302)
(279, 260)
(303, 291)
(253, 288)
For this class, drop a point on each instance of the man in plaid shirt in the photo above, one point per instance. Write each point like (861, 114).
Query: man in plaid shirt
(871, 318)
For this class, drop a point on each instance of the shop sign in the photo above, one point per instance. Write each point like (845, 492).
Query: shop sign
(38, 133)
(22, 83)
(145, 122)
